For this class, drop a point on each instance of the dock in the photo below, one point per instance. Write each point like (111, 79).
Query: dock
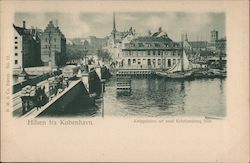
(123, 83)
(135, 72)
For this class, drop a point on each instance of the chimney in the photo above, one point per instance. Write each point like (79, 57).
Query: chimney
(149, 33)
(160, 29)
(24, 24)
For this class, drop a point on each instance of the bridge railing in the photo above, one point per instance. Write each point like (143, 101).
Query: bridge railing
(33, 80)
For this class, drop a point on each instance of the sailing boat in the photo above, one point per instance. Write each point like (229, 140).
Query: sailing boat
(182, 69)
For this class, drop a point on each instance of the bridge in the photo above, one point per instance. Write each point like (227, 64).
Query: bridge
(87, 86)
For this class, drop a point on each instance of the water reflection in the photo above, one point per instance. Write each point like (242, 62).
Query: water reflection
(157, 97)
(161, 97)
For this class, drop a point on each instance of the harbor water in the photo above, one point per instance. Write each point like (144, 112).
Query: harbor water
(158, 97)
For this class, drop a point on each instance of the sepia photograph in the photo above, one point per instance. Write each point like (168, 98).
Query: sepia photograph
(147, 64)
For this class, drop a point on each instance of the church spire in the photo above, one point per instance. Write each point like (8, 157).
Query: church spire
(114, 27)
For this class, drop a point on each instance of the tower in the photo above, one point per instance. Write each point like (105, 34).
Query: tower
(186, 37)
(114, 27)
(214, 36)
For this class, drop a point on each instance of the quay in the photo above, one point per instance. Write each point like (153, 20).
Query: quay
(196, 73)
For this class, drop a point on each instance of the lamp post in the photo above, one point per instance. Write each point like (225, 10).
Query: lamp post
(85, 51)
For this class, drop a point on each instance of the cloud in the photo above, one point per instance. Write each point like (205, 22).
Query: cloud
(177, 23)
(125, 17)
(100, 24)
(73, 26)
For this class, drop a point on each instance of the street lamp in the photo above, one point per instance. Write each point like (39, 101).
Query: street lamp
(85, 51)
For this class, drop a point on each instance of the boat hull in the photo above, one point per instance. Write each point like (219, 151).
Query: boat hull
(176, 75)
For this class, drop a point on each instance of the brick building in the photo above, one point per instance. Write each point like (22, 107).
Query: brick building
(53, 46)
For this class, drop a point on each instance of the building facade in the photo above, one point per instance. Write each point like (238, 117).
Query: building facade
(26, 47)
(151, 52)
(53, 46)
(221, 46)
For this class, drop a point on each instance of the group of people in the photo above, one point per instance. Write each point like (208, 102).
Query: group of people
(57, 84)
(33, 96)
(41, 97)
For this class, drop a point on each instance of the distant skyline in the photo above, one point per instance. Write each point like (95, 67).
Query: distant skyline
(82, 25)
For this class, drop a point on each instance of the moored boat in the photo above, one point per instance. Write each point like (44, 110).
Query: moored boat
(182, 69)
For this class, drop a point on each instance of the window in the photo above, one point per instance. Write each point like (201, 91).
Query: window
(139, 61)
(169, 62)
(148, 52)
(153, 52)
(174, 61)
(15, 47)
(149, 62)
(16, 54)
(164, 62)
(129, 62)
(46, 46)
(154, 62)
(15, 42)
(159, 52)
(15, 37)
(54, 39)
(55, 46)
(16, 62)
(159, 61)
(134, 61)
(46, 39)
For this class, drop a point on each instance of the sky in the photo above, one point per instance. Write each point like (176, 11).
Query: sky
(81, 25)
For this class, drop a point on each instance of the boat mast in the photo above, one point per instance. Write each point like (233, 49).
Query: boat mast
(182, 48)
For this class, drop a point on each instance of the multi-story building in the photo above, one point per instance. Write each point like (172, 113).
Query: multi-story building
(26, 47)
(151, 52)
(221, 46)
(214, 39)
(53, 46)
(97, 43)
(214, 36)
